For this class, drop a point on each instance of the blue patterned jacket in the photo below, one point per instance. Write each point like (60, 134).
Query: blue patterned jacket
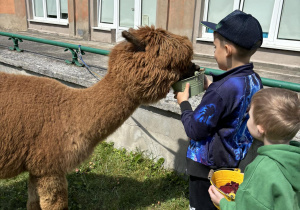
(218, 126)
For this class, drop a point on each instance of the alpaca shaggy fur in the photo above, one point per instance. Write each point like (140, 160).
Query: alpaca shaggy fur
(47, 128)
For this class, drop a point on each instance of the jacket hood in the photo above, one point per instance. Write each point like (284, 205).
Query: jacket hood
(288, 159)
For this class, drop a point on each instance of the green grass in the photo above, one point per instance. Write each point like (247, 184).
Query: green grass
(111, 179)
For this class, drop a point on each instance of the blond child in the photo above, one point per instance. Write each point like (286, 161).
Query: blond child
(272, 180)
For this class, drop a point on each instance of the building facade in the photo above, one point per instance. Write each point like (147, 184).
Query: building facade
(104, 20)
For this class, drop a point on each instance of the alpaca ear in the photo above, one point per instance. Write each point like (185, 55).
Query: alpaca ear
(135, 41)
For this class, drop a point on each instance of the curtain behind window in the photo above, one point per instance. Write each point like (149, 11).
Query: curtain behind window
(64, 9)
(38, 8)
(107, 11)
(51, 8)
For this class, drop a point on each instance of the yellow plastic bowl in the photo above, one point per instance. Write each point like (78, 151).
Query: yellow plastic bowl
(222, 177)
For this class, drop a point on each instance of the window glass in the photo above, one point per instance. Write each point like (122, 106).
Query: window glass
(289, 27)
(127, 13)
(38, 8)
(64, 9)
(218, 9)
(280, 19)
(107, 11)
(148, 12)
(51, 9)
(263, 12)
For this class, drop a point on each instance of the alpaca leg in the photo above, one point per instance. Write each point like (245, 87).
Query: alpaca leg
(33, 202)
(52, 192)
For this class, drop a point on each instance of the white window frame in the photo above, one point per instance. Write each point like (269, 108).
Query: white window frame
(46, 19)
(272, 41)
(107, 26)
(137, 15)
(115, 24)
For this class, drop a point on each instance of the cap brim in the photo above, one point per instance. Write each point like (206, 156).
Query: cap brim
(209, 25)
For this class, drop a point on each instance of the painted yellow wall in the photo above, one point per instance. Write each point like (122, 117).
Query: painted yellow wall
(7, 7)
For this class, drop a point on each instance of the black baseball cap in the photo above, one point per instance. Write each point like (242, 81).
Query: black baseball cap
(240, 28)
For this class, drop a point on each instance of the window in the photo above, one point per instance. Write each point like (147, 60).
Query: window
(106, 12)
(289, 25)
(148, 12)
(280, 19)
(126, 18)
(263, 14)
(124, 14)
(54, 11)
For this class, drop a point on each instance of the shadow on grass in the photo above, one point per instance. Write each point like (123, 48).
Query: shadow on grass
(13, 193)
(94, 191)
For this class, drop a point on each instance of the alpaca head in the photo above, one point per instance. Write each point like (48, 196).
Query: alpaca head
(148, 62)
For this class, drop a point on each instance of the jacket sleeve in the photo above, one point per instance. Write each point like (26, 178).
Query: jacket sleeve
(243, 202)
(276, 194)
(203, 122)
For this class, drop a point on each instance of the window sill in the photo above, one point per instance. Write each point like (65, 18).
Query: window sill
(281, 47)
(264, 45)
(102, 28)
(49, 22)
(205, 39)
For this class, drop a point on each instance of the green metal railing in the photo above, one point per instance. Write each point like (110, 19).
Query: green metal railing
(75, 49)
(266, 81)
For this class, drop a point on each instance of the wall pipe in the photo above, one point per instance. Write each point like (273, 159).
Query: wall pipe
(208, 71)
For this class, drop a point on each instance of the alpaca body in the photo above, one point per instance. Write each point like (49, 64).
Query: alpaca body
(47, 128)
(56, 132)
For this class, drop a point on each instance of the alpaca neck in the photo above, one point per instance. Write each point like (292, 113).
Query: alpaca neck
(105, 107)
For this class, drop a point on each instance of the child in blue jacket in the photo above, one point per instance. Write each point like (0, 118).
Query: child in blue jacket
(217, 128)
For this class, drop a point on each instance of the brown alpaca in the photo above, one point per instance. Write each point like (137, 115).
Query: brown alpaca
(47, 128)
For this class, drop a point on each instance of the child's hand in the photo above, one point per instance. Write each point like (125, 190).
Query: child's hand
(215, 195)
(183, 96)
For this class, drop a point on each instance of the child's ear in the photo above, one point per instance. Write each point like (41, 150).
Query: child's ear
(228, 49)
(260, 129)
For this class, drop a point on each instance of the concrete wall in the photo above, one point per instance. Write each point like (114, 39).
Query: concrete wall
(82, 12)
(13, 15)
(158, 133)
(162, 14)
(181, 17)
